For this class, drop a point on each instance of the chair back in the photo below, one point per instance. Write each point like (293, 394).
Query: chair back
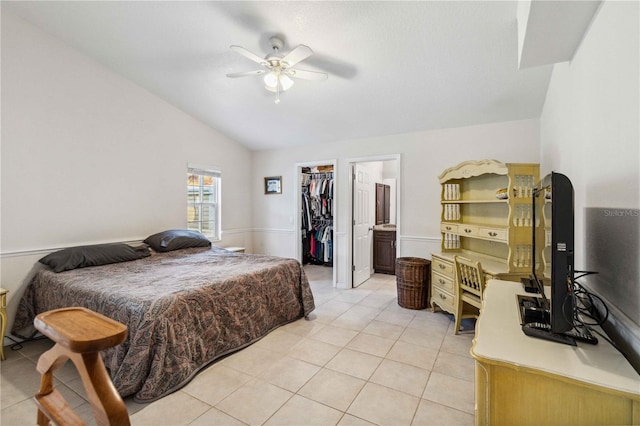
(470, 277)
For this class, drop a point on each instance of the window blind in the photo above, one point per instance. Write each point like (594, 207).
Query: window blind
(204, 172)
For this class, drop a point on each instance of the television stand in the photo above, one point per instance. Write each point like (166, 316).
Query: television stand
(532, 330)
(581, 333)
(535, 320)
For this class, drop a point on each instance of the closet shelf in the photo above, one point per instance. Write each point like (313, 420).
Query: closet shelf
(494, 201)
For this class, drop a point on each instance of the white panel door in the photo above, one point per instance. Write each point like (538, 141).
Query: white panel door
(362, 225)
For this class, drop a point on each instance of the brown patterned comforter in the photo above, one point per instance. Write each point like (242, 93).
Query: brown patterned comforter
(184, 309)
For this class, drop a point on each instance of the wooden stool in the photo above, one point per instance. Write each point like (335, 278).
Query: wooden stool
(80, 334)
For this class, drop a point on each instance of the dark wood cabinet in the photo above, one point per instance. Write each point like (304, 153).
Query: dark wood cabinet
(387, 203)
(383, 203)
(384, 252)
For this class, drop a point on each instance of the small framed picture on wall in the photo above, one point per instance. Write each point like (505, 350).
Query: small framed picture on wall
(273, 185)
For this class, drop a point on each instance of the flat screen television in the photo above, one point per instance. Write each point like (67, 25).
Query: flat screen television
(553, 240)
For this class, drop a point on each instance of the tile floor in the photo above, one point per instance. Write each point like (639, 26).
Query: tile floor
(359, 360)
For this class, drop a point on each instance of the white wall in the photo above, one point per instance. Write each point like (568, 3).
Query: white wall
(88, 157)
(590, 132)
(423, 155)
(589, 128)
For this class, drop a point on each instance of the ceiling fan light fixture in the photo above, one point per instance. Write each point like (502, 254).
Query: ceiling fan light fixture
(271, 81)
(285, 82)
(278, 68)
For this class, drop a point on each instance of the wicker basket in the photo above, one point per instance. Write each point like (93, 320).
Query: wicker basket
(413, 281)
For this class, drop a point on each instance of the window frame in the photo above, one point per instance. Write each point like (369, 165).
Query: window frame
(215, 232)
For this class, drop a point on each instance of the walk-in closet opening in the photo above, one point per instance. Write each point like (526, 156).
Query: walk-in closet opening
(316, 217)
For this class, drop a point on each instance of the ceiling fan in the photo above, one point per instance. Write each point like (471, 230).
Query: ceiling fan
(278, 68)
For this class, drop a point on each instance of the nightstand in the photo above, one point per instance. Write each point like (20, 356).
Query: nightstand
(3, 318)
(235, 249)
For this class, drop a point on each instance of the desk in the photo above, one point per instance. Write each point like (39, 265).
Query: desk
(491, 267)
(444, 291)
(526, 381)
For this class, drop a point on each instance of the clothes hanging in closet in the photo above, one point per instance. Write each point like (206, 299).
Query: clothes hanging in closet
(321, 244)
(317, 218)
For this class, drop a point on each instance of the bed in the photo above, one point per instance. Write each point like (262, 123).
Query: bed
(183, 309)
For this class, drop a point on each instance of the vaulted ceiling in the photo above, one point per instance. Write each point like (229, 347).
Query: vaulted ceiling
(394, 67)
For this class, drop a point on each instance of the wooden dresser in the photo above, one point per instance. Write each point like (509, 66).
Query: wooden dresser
(522, 380)
(442, 292)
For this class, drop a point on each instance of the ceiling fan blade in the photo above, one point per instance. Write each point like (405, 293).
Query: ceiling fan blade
(244, 52)
(298, 54)
(307, 75)
(246, 73)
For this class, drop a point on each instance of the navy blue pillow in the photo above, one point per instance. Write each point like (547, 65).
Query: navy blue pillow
(176, 239)
(93, 255)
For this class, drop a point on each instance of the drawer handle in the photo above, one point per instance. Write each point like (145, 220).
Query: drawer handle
(448, 228)
(467, 230)
(441, 266)
(441, 281)
(493, 234)
(442, 296)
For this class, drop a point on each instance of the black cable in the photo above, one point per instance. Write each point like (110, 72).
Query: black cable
(589, 305)
(17, 345)
(582, 274)
(585, 272)
(588, 308)
(584, 305)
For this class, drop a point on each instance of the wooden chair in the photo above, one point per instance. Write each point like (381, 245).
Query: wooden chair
(80, 334)
(470, 281)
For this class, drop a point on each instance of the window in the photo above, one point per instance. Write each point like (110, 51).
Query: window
(203, 205)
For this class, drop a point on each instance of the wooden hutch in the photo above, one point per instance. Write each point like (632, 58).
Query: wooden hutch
(485, 216)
